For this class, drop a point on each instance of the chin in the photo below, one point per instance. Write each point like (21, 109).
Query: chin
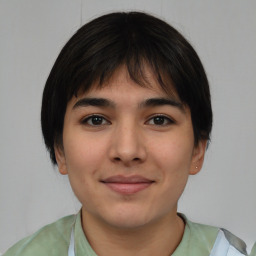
(128, 218)
(128, 223)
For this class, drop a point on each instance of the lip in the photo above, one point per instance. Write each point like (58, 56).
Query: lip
(127, 185)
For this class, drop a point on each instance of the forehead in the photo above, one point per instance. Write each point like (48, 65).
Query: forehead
(120, 91)
(120, 82)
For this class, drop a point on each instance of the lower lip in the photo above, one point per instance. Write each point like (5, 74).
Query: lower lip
(128, 188)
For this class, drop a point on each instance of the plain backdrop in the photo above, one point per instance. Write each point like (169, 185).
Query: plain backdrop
(32, 32)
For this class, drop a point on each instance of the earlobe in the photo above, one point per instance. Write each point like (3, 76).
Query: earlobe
(198, 157)
(61, 160)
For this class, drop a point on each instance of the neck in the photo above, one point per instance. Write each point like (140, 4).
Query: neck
(157, 238)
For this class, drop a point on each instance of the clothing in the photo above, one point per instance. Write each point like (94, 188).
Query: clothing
(54, 240)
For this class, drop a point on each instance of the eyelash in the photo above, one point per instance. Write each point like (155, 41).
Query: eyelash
(167, 120)
(86, 120)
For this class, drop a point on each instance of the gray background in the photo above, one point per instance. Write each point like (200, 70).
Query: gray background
(32, 32)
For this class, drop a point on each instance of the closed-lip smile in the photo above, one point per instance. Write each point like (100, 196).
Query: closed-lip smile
(127, 185)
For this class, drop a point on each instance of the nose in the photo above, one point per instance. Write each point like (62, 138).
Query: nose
(128, 145)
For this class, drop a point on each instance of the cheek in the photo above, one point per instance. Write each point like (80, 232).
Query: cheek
(83, 160)
(172, 157)
(172, 154)
(83, 154)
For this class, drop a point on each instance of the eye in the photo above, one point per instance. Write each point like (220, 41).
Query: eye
(95, 120)
(160, 120)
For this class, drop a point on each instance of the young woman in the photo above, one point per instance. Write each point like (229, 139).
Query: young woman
(126, 114)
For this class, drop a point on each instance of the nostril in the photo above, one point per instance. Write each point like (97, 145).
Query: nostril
(118, 159)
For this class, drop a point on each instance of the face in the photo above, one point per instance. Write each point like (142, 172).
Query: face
(128, 152)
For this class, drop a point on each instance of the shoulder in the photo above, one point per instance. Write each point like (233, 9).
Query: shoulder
(215, 239)
(198, 231)
(48, 240)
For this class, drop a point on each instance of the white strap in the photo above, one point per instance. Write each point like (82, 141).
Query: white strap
(223, 248)
(71, 248)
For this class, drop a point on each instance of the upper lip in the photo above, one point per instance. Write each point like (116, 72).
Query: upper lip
(127, 179)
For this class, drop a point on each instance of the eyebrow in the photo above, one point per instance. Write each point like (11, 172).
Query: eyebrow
(151, 102)
(96, 102)
(154, 102)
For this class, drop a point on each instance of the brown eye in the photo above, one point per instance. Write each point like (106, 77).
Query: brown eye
(95, 120)
(160, 120)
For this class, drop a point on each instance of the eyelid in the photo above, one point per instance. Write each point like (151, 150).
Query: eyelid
(85, 119)
(170, 119)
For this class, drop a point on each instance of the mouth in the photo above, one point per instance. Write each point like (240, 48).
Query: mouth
(127, 185)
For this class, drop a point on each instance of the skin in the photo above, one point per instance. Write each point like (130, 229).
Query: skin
(129, 137)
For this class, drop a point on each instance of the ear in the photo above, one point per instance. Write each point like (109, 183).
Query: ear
(61, 159)
(198, 157)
